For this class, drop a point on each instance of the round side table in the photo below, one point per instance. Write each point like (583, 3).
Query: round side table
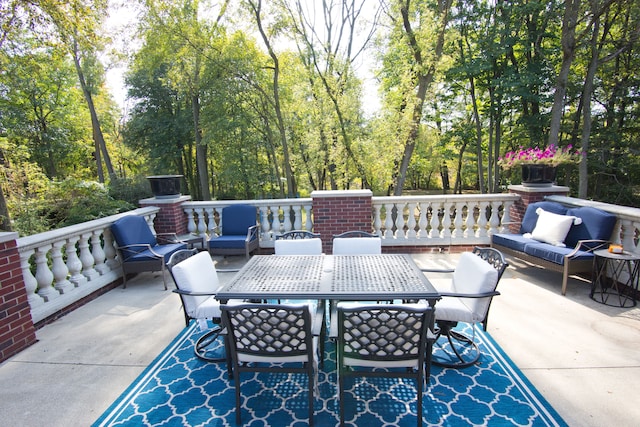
(610, 271)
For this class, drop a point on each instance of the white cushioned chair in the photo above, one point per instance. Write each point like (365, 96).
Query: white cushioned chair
(357, 243)
(311, 246)
(197, 281)
(467, 298)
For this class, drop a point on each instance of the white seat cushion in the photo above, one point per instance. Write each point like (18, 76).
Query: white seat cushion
(473, 275)
(357, 246)
(298, 246)
(198, 274)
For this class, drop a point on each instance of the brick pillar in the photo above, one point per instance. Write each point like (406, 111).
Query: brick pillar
(335, 212)
(171, 218)
(17, 330)
(530, 195)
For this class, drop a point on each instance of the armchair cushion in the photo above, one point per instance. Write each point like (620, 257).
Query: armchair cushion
(236, 219)
(357, 245)
(596, 225)
(229, 241)
(298, 246)
(530, 218)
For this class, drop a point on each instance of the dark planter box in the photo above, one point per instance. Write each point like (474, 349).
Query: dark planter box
(165, 186)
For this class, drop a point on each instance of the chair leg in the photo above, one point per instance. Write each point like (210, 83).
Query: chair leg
(238, 408)
(455, 339)
(205, 341)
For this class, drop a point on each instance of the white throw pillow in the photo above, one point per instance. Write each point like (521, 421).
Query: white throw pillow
(553, 228)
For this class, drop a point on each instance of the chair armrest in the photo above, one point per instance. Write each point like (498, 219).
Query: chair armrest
(227, 270)
(252, 233)
(168, 238)
(194, 294)
(581, 243)
(437, 270)
(481, 295)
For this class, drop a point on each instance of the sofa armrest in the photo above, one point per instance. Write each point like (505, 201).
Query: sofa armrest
(590, 248)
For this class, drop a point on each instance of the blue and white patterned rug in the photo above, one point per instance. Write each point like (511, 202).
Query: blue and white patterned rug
(178, 389)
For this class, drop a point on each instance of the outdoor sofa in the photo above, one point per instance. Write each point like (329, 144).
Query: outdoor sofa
(558, 238)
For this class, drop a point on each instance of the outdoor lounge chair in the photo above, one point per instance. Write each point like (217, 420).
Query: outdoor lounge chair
(196, 280)
(237, 233)
(273, 338)
(383, 340)
(467, 298)
(139, 250)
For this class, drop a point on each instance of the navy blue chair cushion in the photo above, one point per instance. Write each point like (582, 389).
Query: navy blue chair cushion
(229, 241)
(531, 217)
(554, 254)
(596, 224)
(512, 241)
(132, 230)
(236, 219)
(164, 250)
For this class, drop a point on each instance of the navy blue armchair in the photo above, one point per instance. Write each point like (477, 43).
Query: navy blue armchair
(238, 233)
(139, 249)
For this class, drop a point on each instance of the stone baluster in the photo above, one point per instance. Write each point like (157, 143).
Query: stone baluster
(74, 264)
(263, 214)
(86, 258)
(506, 216)
(98, 253)
(211, 221)
(627, 234)
(446, 220)
(286, 218)
(458, 232)
(275, 221)
(297, 211)
(388, 220)
(59, 269)
(411, 221)
(400, 231)
(494, 219)
(44, 276)
(482, 219)
(423, 222)
(30, 282)
(435, 220)
(377, 222)
(109, 250)
(192, 228)
(468, 220)
(308, 224)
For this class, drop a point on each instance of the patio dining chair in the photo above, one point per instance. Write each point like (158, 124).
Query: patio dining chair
(383, 340)
(139, 250)
(298, 242)
(197, 281)
(273, 338)
(357, 243)
(466, 298)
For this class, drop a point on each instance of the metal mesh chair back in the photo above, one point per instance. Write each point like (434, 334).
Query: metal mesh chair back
(297, 234)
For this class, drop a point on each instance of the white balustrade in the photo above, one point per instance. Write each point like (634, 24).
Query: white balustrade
(53, 281)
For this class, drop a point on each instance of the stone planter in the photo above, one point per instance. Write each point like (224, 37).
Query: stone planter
(165, 186)
(538, 175)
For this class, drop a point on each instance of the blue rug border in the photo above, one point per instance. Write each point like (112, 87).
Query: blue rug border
(525, 386)
(113, 411)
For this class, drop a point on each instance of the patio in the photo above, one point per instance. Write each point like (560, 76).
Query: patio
(582, 356)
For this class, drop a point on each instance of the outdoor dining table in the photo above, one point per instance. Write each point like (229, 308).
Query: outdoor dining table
(330, 277)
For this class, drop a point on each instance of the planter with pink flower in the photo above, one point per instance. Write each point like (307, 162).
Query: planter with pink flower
(539, 165)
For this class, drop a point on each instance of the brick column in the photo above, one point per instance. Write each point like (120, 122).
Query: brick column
(335, 212)
(530, 195)
(17, 330)
(171, 218)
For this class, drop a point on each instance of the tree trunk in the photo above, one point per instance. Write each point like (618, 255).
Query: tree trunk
(424, 79)
(95, 122)
(568, 43)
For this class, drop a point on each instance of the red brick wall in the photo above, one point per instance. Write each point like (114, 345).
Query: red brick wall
(335, 212)
(171, 218)
(17, 331)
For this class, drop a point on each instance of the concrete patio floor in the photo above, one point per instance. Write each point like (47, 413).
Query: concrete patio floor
(584, 357)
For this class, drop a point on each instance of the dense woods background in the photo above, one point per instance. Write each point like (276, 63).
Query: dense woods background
(263, 99)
